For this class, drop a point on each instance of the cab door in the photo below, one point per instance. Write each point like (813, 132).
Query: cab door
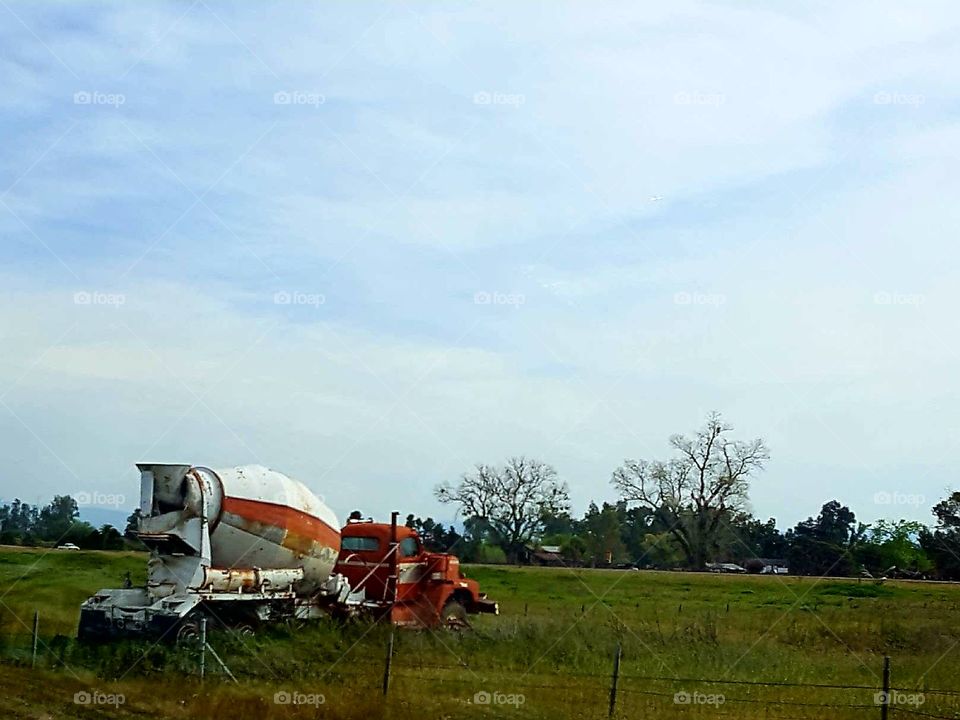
(362, 562)
(411, 569)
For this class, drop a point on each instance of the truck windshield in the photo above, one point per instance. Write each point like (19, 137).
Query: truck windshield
(409, 547)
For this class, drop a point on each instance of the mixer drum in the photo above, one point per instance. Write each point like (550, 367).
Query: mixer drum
(257, 517)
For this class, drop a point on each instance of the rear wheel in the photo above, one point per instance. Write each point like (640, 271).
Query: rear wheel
(189, 631)
(245, 630)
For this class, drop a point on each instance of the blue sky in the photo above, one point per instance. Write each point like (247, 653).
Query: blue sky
(371, 244)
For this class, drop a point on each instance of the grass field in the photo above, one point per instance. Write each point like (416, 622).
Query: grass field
(549, 655)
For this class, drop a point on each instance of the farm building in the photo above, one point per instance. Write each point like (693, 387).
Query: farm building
(545, 555)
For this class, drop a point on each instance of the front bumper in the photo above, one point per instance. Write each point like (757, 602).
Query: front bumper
(485, 605)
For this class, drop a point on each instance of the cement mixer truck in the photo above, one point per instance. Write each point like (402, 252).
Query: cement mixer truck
(246, 546)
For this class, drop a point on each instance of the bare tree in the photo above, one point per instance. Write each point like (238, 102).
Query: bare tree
(693, 492)
(510, 501)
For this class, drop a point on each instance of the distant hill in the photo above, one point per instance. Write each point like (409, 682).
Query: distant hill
(98, 516)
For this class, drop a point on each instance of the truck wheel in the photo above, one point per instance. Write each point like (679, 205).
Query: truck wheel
(189, 632)
(454, 615)
(245, 630)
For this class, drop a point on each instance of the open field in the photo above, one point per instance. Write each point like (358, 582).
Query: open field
(549, 655)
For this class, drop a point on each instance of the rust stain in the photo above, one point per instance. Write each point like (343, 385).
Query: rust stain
(303, 532)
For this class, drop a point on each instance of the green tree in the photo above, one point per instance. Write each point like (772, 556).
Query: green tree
(574, 550)
(83, 534)
(133, 524)
(556, 523)
(635, 524)
(942, 544)
(753, 538)
(661, 550)
(110, 538)
(19, 520)
(893, 547)
(434, 536)
(55, 520)
(824, 545)
(601, 532)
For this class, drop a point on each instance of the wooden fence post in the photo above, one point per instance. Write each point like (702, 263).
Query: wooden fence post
(613, 682)
(36, 636)
(386, 667)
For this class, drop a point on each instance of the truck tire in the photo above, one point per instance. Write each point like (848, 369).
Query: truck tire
(189, 631)
(189, 627)
(244, 630)
(454, 615)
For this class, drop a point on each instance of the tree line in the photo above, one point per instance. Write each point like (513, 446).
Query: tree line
(58, 523)
(687, 511)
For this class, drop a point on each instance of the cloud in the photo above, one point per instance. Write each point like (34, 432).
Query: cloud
(796, 272)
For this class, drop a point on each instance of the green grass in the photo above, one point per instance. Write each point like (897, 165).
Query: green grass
(553, 644)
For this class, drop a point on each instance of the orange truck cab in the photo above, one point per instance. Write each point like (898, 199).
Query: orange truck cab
(416, 587)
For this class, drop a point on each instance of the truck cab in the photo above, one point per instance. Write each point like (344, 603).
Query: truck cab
(416, 587)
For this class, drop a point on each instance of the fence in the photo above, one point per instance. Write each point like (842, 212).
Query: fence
(615, 694)
(883, 701)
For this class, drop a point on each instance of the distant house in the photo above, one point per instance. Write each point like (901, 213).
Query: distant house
(547, 555)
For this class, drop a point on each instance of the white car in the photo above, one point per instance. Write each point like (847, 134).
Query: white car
(67, 546)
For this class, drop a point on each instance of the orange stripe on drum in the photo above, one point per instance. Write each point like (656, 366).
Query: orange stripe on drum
(295, 522)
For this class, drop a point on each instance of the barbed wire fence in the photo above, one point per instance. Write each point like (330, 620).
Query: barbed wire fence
(615, 694)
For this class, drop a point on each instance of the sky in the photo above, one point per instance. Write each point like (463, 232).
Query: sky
(370, 245)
